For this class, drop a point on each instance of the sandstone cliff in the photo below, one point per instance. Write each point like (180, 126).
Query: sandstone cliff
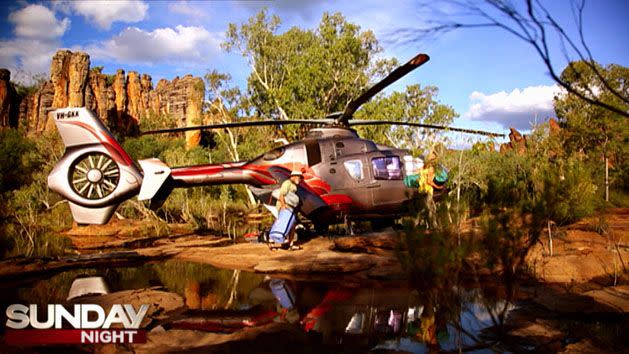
(124, 102)
(518, 142)
(9, 102)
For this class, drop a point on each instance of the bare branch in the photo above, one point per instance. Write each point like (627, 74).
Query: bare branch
(531, 26)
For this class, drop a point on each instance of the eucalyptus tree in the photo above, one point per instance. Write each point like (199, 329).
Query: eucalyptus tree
(305, 73)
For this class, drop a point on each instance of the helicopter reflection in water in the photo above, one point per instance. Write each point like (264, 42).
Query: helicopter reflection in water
(397, 318)
(376, 315)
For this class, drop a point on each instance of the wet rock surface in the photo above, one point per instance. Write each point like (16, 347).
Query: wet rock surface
(161, 303)
(270, 338)
(553, 313)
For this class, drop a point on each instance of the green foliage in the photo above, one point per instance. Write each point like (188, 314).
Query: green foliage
(157, 121)
(37, 81)
(417, 105)
(148, 146)
(18, 159)
(226, 104)
(593, 131)
(433, 256)
(304, 73)
(543, 177)
(31, 215)
(505, 239)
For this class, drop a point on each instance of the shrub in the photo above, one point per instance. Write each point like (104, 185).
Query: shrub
(18, 158)
(31, 215)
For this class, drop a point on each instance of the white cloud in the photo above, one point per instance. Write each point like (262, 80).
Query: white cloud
(37, 33)
(162, 45)
(38, 22)
(104, 13)
(518, 108)
(187, 9)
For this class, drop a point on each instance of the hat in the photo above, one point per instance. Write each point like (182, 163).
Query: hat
(296, 173)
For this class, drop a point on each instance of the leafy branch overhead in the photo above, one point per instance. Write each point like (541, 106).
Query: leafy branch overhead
(305, 73)
(310, 73)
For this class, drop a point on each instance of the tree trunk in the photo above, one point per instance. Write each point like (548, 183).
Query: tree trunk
(606, 179)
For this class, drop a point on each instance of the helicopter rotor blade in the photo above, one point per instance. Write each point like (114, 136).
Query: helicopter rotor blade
(421, 125)
(251, 123)
(395, 75)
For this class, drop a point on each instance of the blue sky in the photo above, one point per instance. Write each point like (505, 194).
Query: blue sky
(492, 79)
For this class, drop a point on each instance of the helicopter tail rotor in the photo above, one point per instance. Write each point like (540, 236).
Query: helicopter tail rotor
(95, 174)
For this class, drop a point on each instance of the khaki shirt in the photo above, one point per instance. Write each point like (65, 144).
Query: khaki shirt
(286, 187)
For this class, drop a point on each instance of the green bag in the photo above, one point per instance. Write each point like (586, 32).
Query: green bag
(441, 176)
(412, 181)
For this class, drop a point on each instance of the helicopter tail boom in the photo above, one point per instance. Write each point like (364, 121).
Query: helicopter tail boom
(226, 173)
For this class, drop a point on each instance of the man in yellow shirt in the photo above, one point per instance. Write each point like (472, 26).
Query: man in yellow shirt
(427, 186)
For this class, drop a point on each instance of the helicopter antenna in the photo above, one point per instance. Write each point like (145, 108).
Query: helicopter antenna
(398, 73)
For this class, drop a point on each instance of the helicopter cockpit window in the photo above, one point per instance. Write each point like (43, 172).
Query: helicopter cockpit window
(387, 167)
(355, 169)
(274, 154)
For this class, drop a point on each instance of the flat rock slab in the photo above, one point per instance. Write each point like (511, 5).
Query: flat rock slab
(124, 234)
(314, 257)
(375, 243)
(581, 255)
(321, 262)
(20, 269)
(616, 297)
(607, 300)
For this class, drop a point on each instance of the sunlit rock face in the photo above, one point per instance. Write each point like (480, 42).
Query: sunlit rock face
(518, 142)
(5, 85)
(125, 102)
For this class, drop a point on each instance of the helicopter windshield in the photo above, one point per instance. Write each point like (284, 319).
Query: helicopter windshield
(274, 154)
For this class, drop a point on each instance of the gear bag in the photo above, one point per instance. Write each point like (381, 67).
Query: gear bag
(282, 227)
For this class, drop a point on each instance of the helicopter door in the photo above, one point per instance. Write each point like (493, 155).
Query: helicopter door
(386, 186)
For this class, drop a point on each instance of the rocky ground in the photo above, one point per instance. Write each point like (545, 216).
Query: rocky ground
(585, 279)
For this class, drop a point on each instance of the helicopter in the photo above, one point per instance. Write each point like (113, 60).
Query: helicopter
(345, 177)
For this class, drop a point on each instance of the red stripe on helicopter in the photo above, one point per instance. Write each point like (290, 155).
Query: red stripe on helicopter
(337, 201)
(214, 169)
(317, 185)
(111, 145)
(311, 182)
(260, 177)
(197, 170)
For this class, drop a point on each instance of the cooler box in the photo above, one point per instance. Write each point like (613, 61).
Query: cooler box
(284, 224)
